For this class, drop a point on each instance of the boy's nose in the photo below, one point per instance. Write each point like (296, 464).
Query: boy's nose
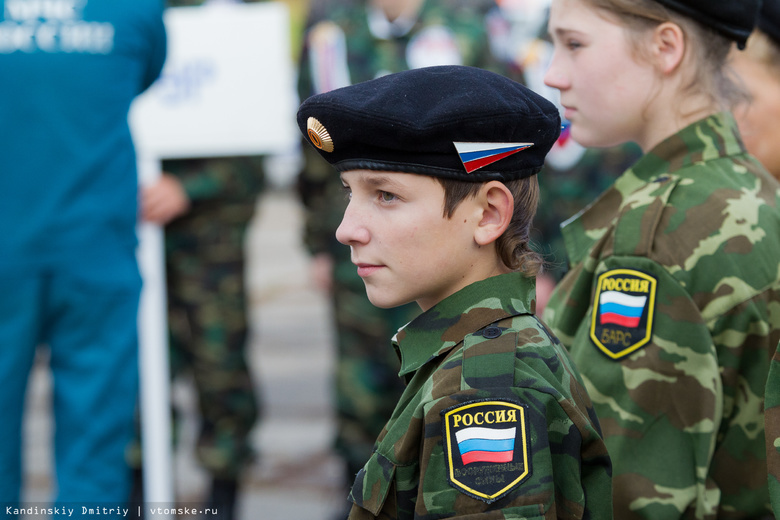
(351, 231)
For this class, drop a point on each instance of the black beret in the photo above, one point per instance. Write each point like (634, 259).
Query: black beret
(734, 19)
(769, 19)
(453, 122)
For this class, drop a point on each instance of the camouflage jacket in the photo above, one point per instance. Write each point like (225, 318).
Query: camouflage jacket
(220, 188)
(494, 423)
(772, 423)
(671, 312)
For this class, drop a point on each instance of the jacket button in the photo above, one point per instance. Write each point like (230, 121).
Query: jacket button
(491, 332)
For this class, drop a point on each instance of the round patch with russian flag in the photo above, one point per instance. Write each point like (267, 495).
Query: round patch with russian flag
(486, 447)
(623, 309)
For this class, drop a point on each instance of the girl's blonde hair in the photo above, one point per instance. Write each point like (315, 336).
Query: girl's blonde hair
(711, 75)
(514, 245)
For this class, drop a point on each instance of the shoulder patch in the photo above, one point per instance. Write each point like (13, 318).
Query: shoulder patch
(623, 311)
(486, 447)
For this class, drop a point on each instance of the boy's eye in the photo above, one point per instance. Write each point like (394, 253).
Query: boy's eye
(573, 44)
(347, 191)
(386, 196)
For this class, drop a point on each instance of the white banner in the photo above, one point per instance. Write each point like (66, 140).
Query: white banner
(227, 87)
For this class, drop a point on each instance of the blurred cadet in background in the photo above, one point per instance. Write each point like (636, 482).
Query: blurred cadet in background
(573, 175)
(206, 205)
(67, 232)
(759, 68)
(351, 41)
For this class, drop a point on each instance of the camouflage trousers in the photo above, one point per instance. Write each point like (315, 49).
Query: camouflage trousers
(367, 386)
(207, 313)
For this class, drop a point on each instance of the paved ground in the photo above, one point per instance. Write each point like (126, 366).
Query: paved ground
(296, 477)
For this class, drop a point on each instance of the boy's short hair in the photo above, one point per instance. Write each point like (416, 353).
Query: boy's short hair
(513, 246)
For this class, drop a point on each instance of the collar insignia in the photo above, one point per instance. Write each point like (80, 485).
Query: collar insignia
(478, 155)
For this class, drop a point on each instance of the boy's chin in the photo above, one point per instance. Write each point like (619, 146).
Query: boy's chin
(384, 301)
(382, 304)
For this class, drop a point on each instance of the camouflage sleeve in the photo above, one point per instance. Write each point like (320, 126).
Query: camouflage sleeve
(659, 393)
(235, 179)
(772, 424)
(745, 341)
(560, 467)
(557, 468)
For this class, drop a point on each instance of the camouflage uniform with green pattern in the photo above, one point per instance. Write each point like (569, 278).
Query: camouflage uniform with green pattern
(207, 302)
(495, 422)
(367, 386)
(772, 423)
(672, 312)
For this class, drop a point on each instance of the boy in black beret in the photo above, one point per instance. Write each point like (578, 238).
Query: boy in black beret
(440, 167)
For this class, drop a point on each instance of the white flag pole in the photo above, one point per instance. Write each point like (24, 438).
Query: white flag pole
(153, 357)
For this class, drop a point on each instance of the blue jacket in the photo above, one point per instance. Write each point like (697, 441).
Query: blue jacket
(69, 70)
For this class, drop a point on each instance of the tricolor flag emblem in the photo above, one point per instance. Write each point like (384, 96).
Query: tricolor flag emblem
(486, 447)
(621, 309)
(478, 155)
(486, 444)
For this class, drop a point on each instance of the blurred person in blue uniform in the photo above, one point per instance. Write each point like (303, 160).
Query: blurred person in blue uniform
(68, 212)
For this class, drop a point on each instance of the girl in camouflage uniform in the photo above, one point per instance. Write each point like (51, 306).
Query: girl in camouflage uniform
(671, 306)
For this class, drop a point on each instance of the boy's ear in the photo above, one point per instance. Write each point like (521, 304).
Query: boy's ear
(668, 46)
(497, 206)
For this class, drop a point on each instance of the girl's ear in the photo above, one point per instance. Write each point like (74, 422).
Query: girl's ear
(497, 207)
(668, 47)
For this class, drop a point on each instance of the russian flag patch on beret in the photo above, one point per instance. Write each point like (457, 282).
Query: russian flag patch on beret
(478, 155)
